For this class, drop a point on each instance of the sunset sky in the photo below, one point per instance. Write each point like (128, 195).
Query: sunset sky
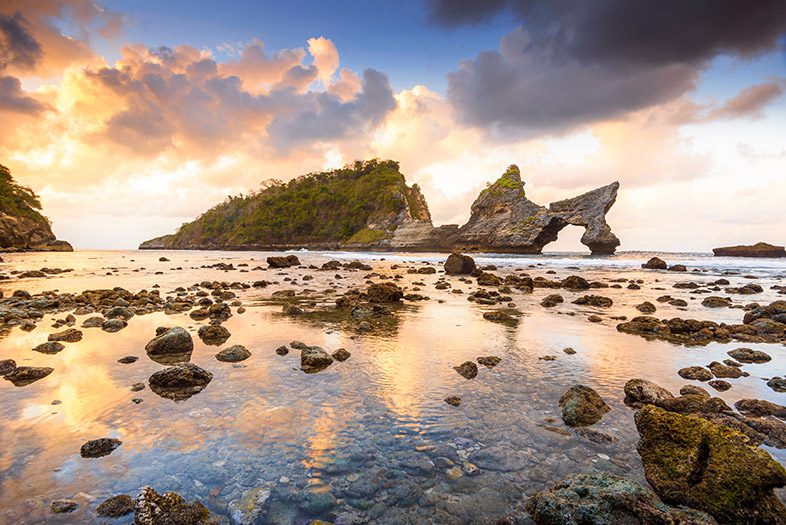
(130, 117)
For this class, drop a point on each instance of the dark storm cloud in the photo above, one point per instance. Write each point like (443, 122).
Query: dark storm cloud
(14, 99)
(18, 47)
(613, 55)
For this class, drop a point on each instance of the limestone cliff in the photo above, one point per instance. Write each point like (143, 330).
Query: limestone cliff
(504, 220)
(22, 227)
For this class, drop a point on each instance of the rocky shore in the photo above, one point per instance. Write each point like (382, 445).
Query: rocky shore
(265, 360)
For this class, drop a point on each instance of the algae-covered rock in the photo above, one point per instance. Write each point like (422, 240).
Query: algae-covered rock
(582, 406)
(153, 508)
(606, 499)
(694, 462)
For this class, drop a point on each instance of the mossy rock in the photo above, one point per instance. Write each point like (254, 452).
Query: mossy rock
(694, 462)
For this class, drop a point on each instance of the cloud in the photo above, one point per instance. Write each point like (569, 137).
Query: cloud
(576, 62)
(17, 45)
(749, 102)
(325, 57)
(14, 99)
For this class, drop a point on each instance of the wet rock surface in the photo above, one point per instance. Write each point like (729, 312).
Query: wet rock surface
(233, 354)
(97, 448)
(180, 382)
(170, 508)
(26, 375)
(582, 406)
(116, 506)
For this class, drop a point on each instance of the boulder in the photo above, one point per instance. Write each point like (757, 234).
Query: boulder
(703, 465)
(314, 359)
(458, 264)
(213, 334)
(641, 391)
(606, 499)
(153, 508)
(696, 373)
(594, 300)
(384, 293)
(283, 262)
(233, 354)
(582, 406)
(70, 335)
(171, 341)
(748, 355)
(25, 375)
(180, 382)
(575, 282)
(97, 448)
(6, 366)
(50, 347)
(656, 263)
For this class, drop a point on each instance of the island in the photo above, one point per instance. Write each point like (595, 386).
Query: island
(22, 226)
(760, 249)
(368, 206)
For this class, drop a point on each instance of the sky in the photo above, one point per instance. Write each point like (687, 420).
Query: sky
(131, 117)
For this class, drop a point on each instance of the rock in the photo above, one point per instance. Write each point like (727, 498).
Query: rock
(252, 506)
(499, 316)
(748, 355)
(594, 300)
(50, 347)
(127, 360)
(489, 361)
(171, 342)
(582, 406)
(720, 370)
(655, 263)
(697, 373)
(551, 300)
(384, 293)
(458, 264)
(760, 249)
(467, 369)
(714, 301)
(703, 465)
(678, 268)
(282, 350)
(646, 307)
(63, 506)
(595, 435)
(113, 325)
(688, 390)
(97, 448)
(760, 407)
(569, 351)
(504, 220)
(6, 366)
(606, 499)
(93, 322)
(641, 391)
(575, 282)
(168, 509)
(233, 354)
(70, 335)
(488, 279)
(25, 375)
(116, 506)
(180, 382)
(341, 354)
(213, 334)
(776, 383)
(283, 262)
(453, 400)
(314, 359)
(720, 385)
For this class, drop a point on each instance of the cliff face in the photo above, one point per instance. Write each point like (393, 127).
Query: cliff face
(369, 206)
(504, 220)
(22, 227)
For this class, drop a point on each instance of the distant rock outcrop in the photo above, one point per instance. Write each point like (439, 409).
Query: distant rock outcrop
(22, 227)
(504, 220)
(760, 249)
(369, 206)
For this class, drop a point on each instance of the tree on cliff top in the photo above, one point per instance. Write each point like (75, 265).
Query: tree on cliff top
(16, 199)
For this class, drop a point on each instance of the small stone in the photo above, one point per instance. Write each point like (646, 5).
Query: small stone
(341, 354)
(63, 506)
(282, 350)
(453, 400)
(489, 361)
(127, 360)
(101, 447)
(569, 351)
(467, 369)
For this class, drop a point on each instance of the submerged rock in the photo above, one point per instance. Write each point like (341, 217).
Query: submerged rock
(467, 369)
(116, 506)
(180, 382)
(63, 506)
(97, 448)
(168, 509)
(342, 354)
(606, 499)
(25, 375)
(252, 505)
(213, 334)
(453, 400)
(694, 462)
(582, 406)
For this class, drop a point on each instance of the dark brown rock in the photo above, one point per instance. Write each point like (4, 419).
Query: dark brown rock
(582, 406)
(458, 264)
(98, 448)
(467, 369)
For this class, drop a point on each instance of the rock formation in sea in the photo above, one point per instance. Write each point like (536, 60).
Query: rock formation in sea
(760, 249)
(505, 220)
(369, 206)
(22, 227)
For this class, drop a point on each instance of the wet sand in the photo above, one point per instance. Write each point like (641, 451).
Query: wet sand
(369, 438)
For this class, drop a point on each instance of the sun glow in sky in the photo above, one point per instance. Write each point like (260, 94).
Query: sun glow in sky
(129, 118)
